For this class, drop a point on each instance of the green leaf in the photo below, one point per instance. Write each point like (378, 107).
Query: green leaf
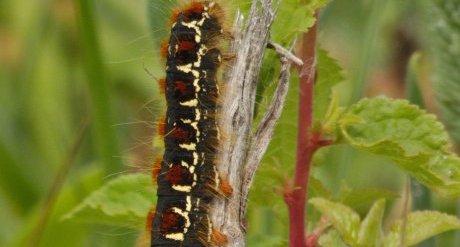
(370, 233)
(398, 121)
(343, 218)
(294, 16)
(420, 226)
(316, 4)
(329, 75)
(408, 136)
(123, 201)
(331, 238)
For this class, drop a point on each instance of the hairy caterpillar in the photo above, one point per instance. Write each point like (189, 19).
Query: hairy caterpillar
(187, 176)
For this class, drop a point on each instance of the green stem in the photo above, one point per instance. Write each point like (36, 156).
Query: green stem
(421, 196)
(13, 181)
(104, 134)
(58, 182)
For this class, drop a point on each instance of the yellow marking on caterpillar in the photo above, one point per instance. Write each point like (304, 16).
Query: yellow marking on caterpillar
(191, 103)
(182, 188)
(189, 147)
(175, 236)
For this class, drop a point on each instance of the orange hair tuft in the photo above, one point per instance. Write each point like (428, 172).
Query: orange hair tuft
(164, 49)
(218, 238)
(161, 127)
(195, 7)
(162, 85)
(175, 13)
(225, 188)
(192, 8)
(156, 168)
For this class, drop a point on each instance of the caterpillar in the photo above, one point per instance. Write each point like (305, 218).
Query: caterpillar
(187, 176)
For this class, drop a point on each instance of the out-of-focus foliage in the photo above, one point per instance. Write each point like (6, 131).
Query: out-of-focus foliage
(46, 91)
(445, 21)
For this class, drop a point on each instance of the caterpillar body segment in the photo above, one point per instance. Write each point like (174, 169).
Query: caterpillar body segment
(187, 176)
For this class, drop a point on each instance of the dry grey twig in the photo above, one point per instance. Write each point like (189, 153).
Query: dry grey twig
(242, 151)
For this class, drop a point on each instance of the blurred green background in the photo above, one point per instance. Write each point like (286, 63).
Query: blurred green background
(69, 64)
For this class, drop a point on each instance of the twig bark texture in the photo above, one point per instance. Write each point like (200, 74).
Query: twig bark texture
(242, 150)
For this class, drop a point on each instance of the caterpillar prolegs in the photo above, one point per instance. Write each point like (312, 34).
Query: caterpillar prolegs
(188, 179)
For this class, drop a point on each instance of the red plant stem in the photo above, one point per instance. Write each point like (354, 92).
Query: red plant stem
(307, 142)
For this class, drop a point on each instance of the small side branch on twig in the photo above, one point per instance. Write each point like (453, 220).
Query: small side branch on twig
(285, 53)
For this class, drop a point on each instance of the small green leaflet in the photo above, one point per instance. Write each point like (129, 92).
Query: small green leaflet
(331, 238)
(343, 218)
(368, 233)
(329, 75)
